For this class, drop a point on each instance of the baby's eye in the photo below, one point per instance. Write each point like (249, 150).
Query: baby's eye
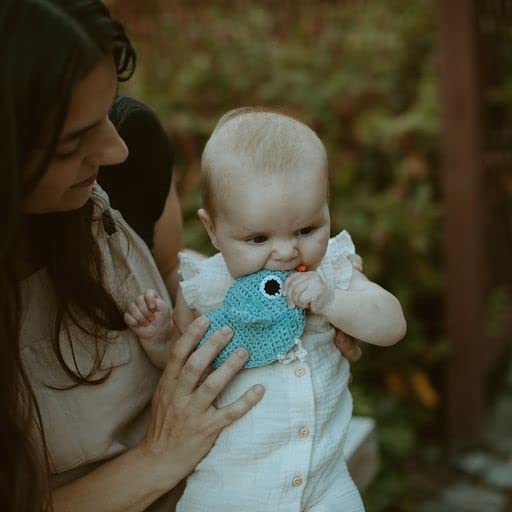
(306, 231)
(257, 240)
(271, 286)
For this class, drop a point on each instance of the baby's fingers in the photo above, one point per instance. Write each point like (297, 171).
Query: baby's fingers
(238, 408)
(134, 310)
(295, 292)
(140, 301)
(130, 320)
(290, 282)
(151, 298)
(161, 306)
(305, 298)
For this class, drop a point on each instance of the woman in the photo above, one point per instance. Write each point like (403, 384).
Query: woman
(88, 423)
(66, 261)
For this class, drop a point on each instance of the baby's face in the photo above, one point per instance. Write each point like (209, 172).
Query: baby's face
(276, 222)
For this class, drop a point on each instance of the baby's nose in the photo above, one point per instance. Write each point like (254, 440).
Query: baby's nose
(284, 250)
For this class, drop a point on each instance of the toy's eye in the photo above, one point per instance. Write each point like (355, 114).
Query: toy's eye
(270, 287)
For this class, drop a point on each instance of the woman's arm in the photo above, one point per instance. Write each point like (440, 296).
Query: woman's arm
(183, 427)
(128, 483)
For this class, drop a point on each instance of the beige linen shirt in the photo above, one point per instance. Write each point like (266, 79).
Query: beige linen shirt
(87, 425)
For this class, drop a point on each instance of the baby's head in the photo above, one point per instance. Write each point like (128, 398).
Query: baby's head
(265, 192)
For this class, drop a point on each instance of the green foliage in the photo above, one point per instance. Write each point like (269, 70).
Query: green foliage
(362, 75)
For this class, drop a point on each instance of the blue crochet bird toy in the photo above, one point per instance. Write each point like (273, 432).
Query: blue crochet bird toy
(257, 311)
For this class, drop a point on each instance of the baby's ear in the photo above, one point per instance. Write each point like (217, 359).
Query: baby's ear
(208, 225)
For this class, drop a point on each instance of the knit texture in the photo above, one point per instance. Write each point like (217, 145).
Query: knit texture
(257, 311)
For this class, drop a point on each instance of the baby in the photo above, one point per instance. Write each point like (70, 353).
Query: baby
(265, 198)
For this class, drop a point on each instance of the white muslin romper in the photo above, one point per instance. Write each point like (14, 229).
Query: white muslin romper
(286, 454)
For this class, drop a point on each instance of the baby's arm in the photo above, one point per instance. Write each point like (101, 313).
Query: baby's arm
(365, 310)
(183, 316)
(149, 317)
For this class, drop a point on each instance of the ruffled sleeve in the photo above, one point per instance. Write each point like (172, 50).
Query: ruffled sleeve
(205, 282)
(336, 269)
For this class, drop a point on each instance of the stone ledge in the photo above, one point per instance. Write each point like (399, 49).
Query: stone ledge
(361, 451)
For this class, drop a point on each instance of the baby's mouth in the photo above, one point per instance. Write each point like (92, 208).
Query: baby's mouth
(283, 267)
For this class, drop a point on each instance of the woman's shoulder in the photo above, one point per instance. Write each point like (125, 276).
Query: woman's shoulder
(125, 256)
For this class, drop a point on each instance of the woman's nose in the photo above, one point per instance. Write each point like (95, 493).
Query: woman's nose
(111, 148)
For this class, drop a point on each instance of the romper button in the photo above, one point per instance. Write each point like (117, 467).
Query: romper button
(304, 432)
(300, 372)
(297, 481)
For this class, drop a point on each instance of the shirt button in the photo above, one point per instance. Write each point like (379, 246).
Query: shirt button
(300, 372)
(297, 481)
(304, 432)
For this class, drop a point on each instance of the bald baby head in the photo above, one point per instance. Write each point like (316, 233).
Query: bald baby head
(250, 142)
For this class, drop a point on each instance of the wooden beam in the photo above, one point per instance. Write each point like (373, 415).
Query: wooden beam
(463, 237)
(496, 346)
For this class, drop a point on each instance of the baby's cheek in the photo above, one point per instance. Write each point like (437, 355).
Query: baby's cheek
(241, 263)
(315, 254)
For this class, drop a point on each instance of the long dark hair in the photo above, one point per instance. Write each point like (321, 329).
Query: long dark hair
(47, 47)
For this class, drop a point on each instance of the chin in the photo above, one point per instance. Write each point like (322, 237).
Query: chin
(73, 204)
(66, 204)
(76, 198)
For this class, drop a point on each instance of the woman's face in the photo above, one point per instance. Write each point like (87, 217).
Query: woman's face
(88, 141)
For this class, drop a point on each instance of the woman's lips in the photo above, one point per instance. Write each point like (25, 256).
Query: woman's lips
(86, 183)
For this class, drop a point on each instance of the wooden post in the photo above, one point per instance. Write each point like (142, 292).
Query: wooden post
(463, 240)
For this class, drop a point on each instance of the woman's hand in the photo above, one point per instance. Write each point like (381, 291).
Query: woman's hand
(348, 346)
(184, 422)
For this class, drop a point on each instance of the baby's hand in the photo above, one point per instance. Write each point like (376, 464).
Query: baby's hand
(308, 291)
(149, 317)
